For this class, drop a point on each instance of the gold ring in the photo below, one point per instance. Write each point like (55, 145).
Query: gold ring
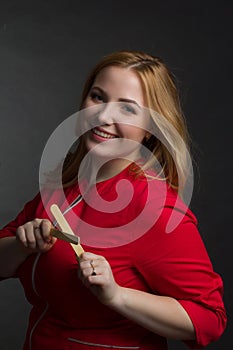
(93, 268)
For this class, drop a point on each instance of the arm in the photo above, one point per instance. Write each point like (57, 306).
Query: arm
(177, 267)
(160, 314)
(19, 239)
(30, 238)
(12, 255)
(181, 268)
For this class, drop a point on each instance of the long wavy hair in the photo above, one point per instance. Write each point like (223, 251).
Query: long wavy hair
(162, 97)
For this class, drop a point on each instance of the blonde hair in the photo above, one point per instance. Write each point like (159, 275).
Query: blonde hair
(162, 97)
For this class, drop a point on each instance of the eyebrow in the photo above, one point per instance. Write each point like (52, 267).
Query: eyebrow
(120, 99)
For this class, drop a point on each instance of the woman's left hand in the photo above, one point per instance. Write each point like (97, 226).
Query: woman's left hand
(162, 315)
(96, 274)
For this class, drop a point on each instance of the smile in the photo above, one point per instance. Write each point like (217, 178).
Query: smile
(103, 134)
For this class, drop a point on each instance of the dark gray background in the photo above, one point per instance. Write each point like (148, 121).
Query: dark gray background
(46, 51)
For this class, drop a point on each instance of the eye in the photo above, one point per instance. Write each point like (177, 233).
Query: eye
(128, 109)
(96, 97)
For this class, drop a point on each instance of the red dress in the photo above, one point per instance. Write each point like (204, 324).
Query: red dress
(66, 315)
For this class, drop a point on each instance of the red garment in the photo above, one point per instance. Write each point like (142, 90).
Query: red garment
(66, 315)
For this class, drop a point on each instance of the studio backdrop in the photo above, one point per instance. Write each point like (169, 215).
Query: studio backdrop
(47, 49)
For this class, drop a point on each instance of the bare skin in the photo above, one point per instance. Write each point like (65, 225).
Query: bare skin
(32, 237)
(160, 314)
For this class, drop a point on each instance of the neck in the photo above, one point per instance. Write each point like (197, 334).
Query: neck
(93, 170)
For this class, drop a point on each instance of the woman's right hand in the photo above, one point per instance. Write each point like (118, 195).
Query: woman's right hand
(35, 235)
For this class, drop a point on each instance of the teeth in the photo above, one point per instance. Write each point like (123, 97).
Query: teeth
(103, 134)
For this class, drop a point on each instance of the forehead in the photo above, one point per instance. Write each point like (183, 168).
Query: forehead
(120, 82)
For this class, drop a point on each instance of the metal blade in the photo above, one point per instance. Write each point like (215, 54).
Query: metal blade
(65, 236)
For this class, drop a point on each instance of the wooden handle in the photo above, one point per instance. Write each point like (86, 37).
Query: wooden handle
(65, 227)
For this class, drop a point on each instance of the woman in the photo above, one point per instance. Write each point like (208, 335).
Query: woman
(132, 293)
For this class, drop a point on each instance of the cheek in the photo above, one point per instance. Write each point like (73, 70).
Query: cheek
(134, 133)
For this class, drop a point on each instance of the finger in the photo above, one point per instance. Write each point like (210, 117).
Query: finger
(87, 256)
(21, 236)
(101, 277)
(40, 243)
(84, 264)
(89, 266)
(97, 280)
(85, 273)
(86, 267)
(93, 269)
(37, 222)
(30, 235)
(45, 227)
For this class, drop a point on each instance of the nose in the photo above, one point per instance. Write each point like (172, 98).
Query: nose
(106, 114)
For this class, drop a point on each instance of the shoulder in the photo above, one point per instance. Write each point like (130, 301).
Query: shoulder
(154, 192)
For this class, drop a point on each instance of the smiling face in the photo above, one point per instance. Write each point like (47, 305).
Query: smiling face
(118, 121)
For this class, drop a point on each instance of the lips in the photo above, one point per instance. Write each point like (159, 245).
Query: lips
(102, 133)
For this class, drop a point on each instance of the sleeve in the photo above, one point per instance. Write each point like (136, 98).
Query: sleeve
(27, 214)
(176, 264)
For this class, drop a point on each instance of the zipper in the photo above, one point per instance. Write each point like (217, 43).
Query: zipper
(33, 274)
(72, 205)
(36, 324)
(35, 291)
